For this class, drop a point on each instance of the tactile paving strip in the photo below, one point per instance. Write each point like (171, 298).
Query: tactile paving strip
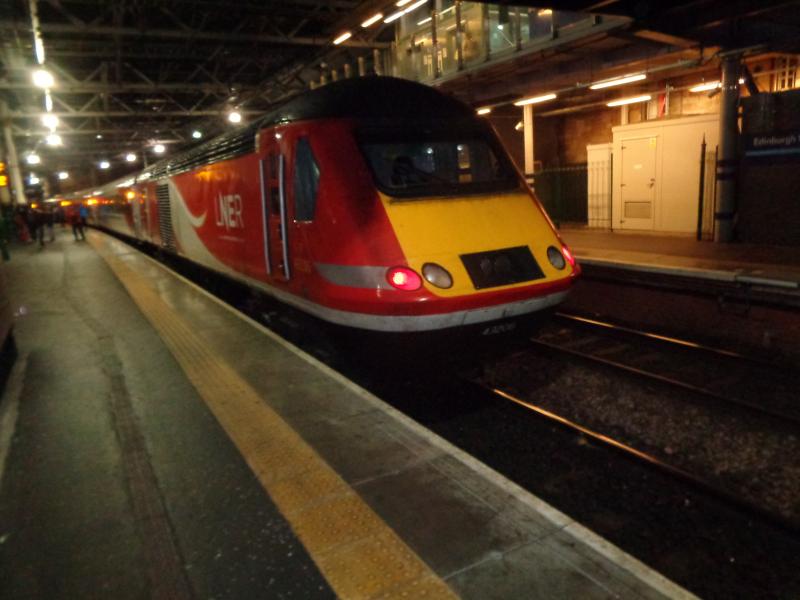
(355, 550)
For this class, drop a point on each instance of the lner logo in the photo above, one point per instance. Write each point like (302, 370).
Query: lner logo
(228, 211)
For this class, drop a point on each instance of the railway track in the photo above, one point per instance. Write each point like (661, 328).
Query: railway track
(698, 482)
(714, 374)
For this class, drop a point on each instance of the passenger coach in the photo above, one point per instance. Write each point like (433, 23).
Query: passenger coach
(374, 203)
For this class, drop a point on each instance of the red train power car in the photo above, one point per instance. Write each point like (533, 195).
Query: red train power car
(374, 203)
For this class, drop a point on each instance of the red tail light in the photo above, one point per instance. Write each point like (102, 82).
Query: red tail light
(404, 279)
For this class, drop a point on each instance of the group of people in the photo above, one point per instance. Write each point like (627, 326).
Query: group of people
(35, 222)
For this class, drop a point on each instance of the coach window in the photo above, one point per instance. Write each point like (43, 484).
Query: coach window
(306, 181)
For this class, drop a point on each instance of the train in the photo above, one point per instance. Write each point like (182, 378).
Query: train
(373, 203)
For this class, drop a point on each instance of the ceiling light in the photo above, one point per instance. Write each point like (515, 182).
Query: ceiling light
(48, 101)
(372, 20)
(617, 81)
(43, 79)
(38, 47)
(130, 157)
(33, 180)
(632, 100)
(33, 159)
(704, 87)
(400, 13)
(535, 99)
(197, 134)
(519, 126)
(400, 3)
(484, 111)
(104, 164)
(53, 139)
(50, 121)
(741, 80)
(342, 38)
(234, 117)
(159, 148)
(425, 20)
(63, 175)
(545, 12)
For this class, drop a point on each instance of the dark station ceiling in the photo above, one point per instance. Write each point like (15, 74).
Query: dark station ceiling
(130, 73)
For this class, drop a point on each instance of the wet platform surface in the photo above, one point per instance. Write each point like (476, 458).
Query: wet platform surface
(777, 266)
(160, 445)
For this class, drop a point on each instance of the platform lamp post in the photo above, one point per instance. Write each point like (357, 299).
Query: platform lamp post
(727, 165)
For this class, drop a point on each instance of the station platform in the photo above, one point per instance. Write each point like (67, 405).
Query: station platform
(157, 444)
(768, 266)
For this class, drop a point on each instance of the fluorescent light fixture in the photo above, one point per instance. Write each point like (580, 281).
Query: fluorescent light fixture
(38, 46)
(405, 11)
(394, 16)
(519, 126)
(50, 121)
(535, 99)
(545, 12)
(48, 101)
(617, 81)
(53, 139)
(484, 111)
(130, 157)
(43, 78)
(632, 100)
(234, 117)
(104, 164)
(704, 87)
(342, 38)
(400, 3)
(33, 159)
(33, 180)
(425, 20)
(372, 20)
(159, 148)
(63, 175)
(197, 134)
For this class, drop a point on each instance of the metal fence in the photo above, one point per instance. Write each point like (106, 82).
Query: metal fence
(563, 191)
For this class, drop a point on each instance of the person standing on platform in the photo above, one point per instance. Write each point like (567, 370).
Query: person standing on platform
(79, 221)
(38, 221)
(49, 219)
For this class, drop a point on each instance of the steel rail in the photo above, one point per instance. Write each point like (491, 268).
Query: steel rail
(671, 381)
(697, 481)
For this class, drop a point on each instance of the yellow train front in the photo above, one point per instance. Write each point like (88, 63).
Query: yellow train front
(427, 225)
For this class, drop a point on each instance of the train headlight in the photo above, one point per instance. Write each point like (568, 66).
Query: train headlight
(403, 278)
(436, 275)
(556, 258)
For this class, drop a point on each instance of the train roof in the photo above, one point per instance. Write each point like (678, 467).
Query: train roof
(371, 97)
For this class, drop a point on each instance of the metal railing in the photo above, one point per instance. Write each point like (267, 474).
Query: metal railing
(563, 192)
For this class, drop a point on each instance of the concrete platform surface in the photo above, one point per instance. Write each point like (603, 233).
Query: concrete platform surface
(161, 445)
(777, 266)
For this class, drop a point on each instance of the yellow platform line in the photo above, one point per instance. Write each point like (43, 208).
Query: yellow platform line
(355, 550)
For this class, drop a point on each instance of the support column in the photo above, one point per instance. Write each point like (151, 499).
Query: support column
(362, 66)
(11, 155)
(527, 122)
(377, 62)
(728, 162)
